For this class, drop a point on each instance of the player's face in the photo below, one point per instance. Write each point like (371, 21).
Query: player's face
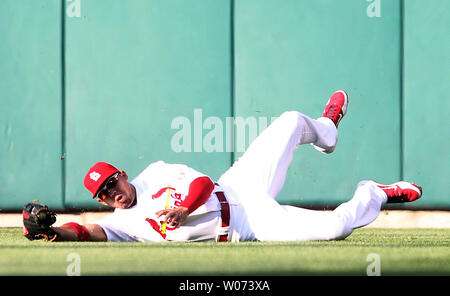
(119, 193)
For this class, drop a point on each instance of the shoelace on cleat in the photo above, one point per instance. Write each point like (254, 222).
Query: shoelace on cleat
(332, 112)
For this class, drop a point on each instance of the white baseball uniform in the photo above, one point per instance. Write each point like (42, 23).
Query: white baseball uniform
(250, 186)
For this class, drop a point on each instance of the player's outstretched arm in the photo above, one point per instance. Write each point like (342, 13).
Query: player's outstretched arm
(76, 232)
(38, 220)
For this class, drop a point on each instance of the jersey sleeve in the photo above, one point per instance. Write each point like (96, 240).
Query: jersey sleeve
(200, 190)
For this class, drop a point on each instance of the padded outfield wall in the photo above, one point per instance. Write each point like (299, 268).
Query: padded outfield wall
(120, 81)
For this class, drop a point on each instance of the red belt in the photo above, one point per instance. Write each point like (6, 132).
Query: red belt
(225, 211)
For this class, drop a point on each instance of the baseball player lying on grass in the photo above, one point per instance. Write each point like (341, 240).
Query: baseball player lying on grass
(172, 202)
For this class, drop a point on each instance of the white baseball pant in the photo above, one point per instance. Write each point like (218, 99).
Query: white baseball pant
(257, 177)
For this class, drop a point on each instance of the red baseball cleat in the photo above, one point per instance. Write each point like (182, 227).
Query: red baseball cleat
(336, 107)
(401, 192)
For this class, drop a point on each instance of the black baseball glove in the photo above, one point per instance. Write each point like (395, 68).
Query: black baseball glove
(37, 219)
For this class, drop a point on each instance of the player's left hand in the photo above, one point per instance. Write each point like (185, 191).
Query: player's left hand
(174, 217)
(37, 219)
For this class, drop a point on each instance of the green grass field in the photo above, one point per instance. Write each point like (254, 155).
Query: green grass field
(401, 252)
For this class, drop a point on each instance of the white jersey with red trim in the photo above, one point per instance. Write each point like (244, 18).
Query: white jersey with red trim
(163, 186)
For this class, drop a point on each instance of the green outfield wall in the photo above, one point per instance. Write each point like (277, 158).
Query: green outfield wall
(133, 82)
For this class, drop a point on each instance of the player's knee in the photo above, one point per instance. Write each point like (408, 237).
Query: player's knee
(290, 115)
(292, 118)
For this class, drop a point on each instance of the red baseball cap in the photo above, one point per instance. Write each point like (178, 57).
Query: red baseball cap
(97, 175)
